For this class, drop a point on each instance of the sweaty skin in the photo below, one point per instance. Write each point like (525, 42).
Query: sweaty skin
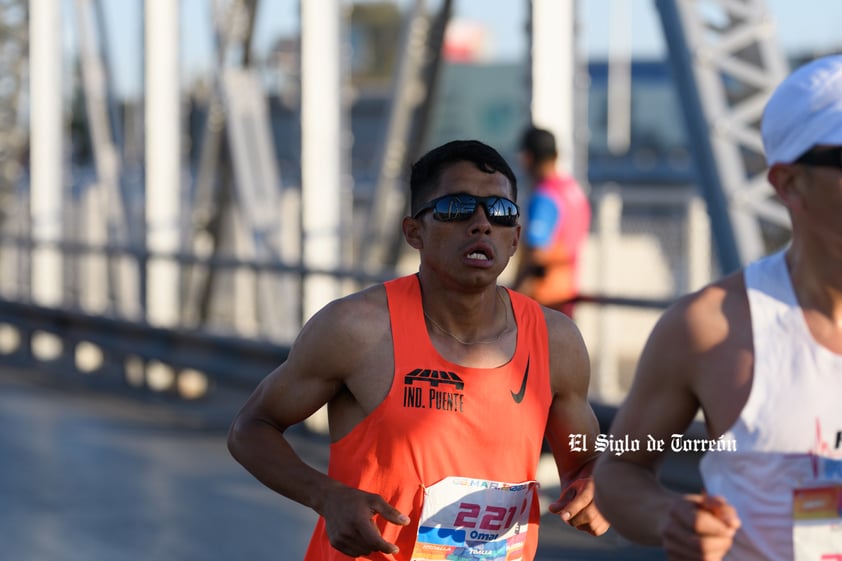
(700, 356)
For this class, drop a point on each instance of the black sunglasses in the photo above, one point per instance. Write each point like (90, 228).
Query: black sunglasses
(831, 157)
(460, 206)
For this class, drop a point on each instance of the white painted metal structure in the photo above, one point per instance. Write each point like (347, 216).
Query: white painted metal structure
(388, 205)
(322, 149)
(46, 201)
(261, 210)
(553, 59)
(47, 161)
(726, 61)
(163, 159)
(742, 49)
(104, 218)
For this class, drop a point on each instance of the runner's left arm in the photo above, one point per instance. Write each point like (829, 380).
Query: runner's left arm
(572, 426)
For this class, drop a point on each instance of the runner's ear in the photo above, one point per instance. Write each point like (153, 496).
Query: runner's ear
(412, 232)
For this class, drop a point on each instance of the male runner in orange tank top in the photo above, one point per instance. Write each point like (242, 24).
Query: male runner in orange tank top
(440, 388)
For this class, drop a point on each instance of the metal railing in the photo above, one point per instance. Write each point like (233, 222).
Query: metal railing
(68, 342)
(639, 265)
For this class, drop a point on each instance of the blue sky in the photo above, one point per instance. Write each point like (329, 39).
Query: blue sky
(802, 26)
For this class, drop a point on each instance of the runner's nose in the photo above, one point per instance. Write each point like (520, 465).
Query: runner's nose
(479, 221)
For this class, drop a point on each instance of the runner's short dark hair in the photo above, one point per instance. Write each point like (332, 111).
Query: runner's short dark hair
(540, 143)
(427, 171)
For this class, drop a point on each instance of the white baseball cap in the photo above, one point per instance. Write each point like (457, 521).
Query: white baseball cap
(804, 110)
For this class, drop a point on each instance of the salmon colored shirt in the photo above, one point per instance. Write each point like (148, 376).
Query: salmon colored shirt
(441, 419)
(567, 235)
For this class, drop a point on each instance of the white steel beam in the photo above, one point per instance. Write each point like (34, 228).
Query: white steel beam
(553, 68)
(321, 149)
(163, 158)
(46, 193)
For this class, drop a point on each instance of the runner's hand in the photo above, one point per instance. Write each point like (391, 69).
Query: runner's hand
(349, 522)
(576, 507)
(701, 527)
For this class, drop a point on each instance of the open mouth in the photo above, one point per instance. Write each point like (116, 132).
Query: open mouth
(479, 256)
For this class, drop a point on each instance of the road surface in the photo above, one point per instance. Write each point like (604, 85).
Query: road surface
(89, 474)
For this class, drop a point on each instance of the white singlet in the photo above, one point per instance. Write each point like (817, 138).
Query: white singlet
(789, 434)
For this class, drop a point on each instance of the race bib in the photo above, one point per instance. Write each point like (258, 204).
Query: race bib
(465, 519)
(817, 523)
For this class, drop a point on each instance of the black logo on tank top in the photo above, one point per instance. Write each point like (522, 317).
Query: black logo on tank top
(518, 397)
(433, 389)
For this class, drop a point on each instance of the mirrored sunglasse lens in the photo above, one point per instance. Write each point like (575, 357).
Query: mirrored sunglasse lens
(451, 208)
(502, 211)
(454, 208)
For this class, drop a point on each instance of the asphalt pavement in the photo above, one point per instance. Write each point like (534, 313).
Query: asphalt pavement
(90, 474)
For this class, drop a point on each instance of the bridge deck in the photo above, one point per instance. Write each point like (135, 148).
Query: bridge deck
(93, 475)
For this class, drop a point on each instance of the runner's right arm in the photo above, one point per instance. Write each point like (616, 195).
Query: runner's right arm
(313, 374)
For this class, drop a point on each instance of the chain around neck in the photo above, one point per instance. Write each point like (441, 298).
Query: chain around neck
(481, 341)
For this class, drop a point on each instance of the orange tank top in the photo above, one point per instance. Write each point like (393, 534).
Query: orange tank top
(441, 419)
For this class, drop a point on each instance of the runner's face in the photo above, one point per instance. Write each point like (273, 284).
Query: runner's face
(822, 205)
(475, 250)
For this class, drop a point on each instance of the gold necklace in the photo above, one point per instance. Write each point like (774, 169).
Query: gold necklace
(480, 342)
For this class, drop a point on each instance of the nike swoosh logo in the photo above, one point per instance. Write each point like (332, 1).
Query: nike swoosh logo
(518, 397)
